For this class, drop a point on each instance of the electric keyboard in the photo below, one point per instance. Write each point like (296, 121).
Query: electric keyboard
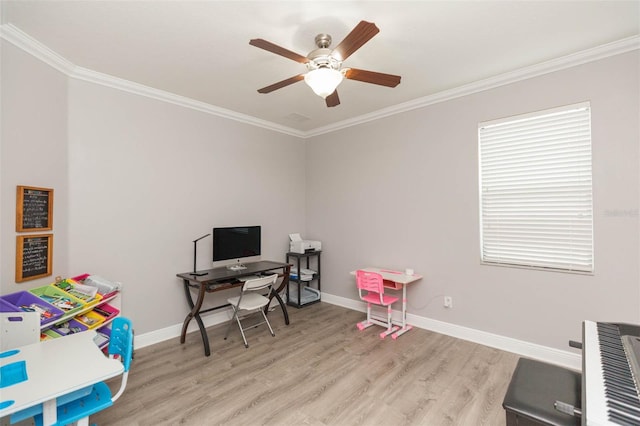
(610, 374)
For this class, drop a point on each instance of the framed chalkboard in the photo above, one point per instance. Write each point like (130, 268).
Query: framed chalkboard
(34, 209)
(34, 254)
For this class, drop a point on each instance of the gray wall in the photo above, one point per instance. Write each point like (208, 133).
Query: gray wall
(137, 180)
(403, 192)
(33, 152)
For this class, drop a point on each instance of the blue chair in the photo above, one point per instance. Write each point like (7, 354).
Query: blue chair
(78, 406)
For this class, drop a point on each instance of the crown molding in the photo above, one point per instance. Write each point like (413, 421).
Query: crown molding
(91, 76)
(18, 38)
(28, 44)
(575, 59)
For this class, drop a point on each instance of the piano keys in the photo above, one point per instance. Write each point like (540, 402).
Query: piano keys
(610, 374)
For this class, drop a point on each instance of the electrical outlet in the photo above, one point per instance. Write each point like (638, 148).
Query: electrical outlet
(448, 302)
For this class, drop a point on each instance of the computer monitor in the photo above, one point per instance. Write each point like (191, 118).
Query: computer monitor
(236, 242)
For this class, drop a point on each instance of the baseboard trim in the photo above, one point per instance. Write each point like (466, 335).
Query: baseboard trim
(530, 350)
(173, 331)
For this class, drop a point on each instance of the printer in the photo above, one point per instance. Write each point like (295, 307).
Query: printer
(298, 245)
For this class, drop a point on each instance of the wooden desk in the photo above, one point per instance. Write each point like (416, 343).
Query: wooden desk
(222, 278)
(54, 368)
(396, 280)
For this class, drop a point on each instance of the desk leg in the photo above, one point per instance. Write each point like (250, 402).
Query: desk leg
(405, 327)
(284, 308)
(49, 412)
(276, 294)
(195, 313)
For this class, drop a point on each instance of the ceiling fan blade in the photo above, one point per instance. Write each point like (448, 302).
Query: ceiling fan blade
(362, 33)
(274, 48)
(333, 99)
(373, 77)
(281, 84)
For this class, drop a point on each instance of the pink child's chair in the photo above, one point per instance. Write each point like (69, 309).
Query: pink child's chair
(371, 289)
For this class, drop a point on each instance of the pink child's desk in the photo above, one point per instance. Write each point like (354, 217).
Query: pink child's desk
(396, 280)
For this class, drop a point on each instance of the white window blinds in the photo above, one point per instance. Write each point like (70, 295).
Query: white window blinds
(535, 190)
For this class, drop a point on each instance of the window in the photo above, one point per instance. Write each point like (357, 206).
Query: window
(536, 205)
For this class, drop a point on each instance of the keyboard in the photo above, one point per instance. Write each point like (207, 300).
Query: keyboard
(610, 374)
(248, 277)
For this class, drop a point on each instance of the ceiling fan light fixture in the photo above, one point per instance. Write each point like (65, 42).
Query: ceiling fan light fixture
(323, 81)
(324, 65)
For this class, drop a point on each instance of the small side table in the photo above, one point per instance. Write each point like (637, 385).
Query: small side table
(300, 291)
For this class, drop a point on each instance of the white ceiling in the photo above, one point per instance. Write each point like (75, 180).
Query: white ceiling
(200, 49)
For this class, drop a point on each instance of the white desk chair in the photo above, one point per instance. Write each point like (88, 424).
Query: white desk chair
(250, 301)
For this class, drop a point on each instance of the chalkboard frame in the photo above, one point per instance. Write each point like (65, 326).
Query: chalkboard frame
(20, 209)
(20, 242)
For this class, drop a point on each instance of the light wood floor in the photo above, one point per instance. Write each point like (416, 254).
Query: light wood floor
(319, 370)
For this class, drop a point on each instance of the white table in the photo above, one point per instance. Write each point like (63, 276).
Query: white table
(55, 368)
(396, 280)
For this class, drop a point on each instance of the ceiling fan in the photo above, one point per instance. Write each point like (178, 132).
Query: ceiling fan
(324, 65)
